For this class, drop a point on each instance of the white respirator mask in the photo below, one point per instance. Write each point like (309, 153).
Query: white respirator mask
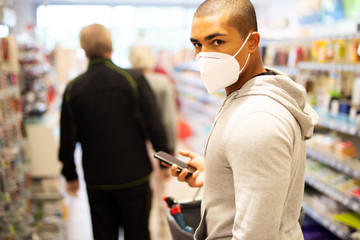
(219, 70)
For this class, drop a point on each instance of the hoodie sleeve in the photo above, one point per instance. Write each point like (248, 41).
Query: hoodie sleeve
(261, 171)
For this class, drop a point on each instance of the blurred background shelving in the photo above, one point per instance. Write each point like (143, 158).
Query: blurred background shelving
(316, 42)
(16, 219)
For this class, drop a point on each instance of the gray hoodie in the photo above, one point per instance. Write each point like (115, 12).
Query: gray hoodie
(255, 162)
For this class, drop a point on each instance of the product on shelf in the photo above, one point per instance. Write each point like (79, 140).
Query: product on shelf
(329, 69)
(348, 218)
(345, 148)
(341, 149)
(36, 86)
(327, 50)
(48, 207)
(312, 230)
(16, 220)
(324, 210)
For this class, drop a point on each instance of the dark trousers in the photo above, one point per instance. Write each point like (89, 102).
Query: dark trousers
(128, 208)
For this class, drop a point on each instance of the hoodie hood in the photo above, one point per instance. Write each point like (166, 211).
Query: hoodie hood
(288, 93)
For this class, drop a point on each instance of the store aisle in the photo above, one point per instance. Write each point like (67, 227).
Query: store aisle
(78, 222)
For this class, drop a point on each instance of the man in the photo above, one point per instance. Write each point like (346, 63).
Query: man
(254, 164)
(111, 112)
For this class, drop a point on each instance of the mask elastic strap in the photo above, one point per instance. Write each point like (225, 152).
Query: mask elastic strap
(242, 45)
(247, 59)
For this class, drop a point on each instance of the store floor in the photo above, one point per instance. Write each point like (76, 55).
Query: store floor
(78, 223)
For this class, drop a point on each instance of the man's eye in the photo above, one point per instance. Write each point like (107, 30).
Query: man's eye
(217, 42)
(197, 45)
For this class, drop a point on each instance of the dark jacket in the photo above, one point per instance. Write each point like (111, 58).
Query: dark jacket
(99, 110)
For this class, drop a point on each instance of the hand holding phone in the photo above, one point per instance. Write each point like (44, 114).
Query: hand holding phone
(170, 160)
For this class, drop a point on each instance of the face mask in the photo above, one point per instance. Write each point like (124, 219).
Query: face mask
(219, 70)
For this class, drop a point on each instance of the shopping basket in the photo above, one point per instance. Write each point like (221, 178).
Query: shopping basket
(191, 213)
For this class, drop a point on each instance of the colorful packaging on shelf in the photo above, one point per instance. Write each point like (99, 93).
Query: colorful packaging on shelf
(340, 49)
(344, 149)
(356, 193)
(344, 107)
(349, 218)
(352, 51)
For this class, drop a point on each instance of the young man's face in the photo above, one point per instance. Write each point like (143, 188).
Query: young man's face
(214, 34)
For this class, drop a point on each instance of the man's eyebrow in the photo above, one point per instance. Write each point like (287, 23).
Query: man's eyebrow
(209, 37)
(193, 40)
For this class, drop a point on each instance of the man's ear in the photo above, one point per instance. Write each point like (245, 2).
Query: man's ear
(254, 41)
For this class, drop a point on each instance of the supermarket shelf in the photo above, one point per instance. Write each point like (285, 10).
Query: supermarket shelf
(11, 120)
(187, 66)
(350, 166)
(333, 193)
(292, 71)
(308, 39)
(47, 196)
(6, 66)
(316, 66)
(331, 225)
(196, 84)
(340, 122)
(9, 92)
(16, 220)
(25, 236)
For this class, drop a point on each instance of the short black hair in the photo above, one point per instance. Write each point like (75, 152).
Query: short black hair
(242, 13)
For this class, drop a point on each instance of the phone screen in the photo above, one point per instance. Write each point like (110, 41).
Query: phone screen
(169, 159)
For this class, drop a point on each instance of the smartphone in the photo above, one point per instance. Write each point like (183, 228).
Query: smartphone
(169, 159)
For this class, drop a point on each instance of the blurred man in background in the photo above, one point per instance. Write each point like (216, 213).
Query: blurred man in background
(111, 112)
